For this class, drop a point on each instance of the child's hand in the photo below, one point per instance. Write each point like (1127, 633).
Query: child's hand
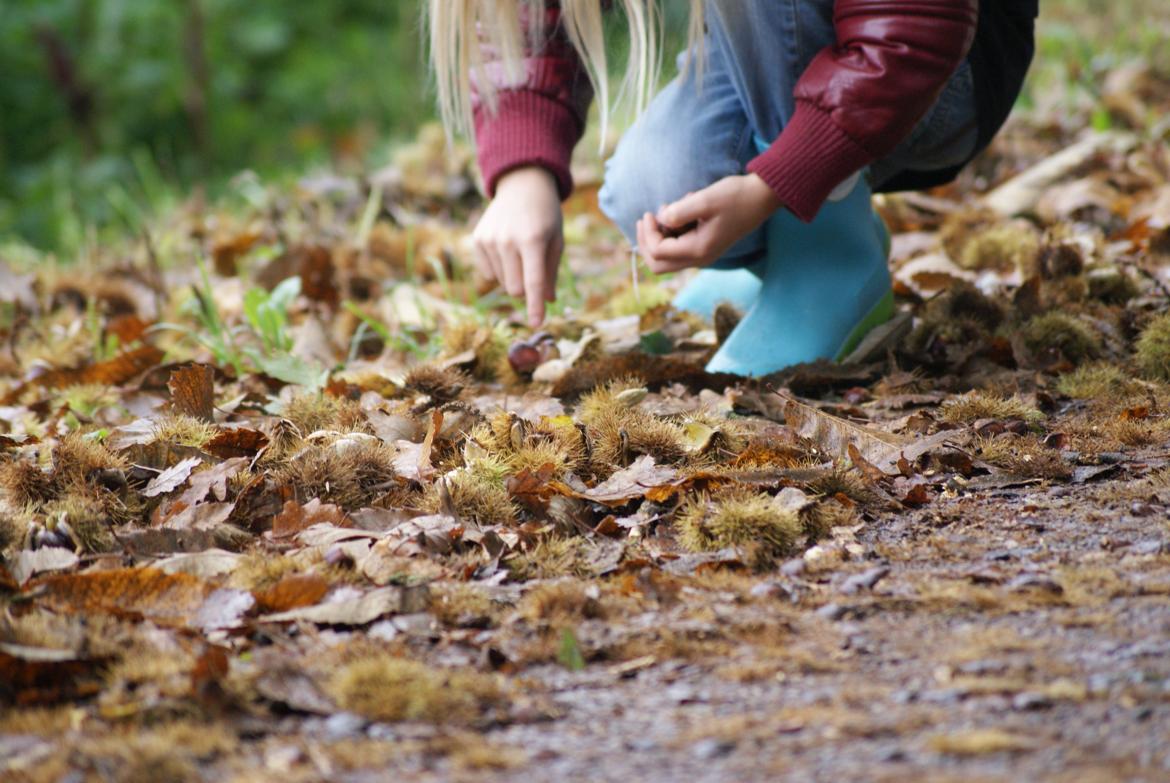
(520, 238)
(723, 214)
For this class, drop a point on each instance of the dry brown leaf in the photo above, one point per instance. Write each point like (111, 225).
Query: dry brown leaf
(224, 609)
(348, 606)
(139, 432)
(834, 436)
(294, 517)
(227, 251)
(203, 516)
(213, 480)
(1020, 194)
(172, 478)
(236, 442)
(192, 390)
(206, 564)
(292, 592)
(26, 564)
(423, 469)
(642, 476)
(32, 676)
(127, 328)
(113, 372)
(169, 599)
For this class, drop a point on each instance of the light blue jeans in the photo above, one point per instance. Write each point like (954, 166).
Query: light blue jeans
(697, 132)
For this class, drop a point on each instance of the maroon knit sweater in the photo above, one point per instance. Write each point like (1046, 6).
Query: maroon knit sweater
(855, 103)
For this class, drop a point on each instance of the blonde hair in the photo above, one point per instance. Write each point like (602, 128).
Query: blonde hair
(460, 29)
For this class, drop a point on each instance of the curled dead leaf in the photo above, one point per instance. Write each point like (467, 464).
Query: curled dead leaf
(192, 390)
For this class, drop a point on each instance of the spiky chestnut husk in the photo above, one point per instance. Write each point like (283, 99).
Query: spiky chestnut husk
(475, 493)
(89, 519)
(1005, 247)
(79, 461)
(26, 484)
(386, 688)
(1066, 335)
(975, 405)
(313, 412)
(739, 518)
(349, 477)
(441, 384)
(1152, 350)
(1099, 382)
(550, 558)
(619, 430)
(961, 315)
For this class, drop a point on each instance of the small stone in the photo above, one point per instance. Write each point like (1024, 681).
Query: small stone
(772, 590)
(1030, 701)
(1038, 582)
(711, 748)
(832, 612)
(866, 580)
(1151, 546)
(682, 693)
(343, 725)
(794, 567)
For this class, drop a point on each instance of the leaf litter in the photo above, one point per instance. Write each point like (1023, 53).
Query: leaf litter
(355, 517)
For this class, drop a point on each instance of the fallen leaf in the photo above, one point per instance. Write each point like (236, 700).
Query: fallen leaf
(327, 534)
(236, 442)
(626, 484)
(127, 328)
(205, 564)
(213, 480)
(359, 609)
(169, 599)
(192, 389)
(867, 468)
(203, 516)
(113, 372)
(294, 517)
(834, 436)
(36, 675)
(172, 478)
(26, 564)
(223, 609)
(292, 592)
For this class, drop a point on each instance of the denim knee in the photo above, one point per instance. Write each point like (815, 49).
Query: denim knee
(640, 178)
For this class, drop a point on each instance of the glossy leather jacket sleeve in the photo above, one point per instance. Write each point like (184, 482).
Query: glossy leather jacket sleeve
(861, 97)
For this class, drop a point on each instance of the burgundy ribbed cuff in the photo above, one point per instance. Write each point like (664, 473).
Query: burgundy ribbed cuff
(529, 129)
(811, 156)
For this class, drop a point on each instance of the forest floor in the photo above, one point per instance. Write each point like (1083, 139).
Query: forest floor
(286, 492)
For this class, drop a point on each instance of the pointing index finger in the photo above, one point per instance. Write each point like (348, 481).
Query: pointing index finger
(533, 256)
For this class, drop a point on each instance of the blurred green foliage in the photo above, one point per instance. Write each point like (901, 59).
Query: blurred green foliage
(113, 110)
(107, 107)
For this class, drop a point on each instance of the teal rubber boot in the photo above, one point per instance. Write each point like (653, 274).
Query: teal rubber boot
(711, 287)
(825, 286)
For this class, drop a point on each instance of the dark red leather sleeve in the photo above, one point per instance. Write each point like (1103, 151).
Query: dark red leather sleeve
(860, 98)
(540, 118)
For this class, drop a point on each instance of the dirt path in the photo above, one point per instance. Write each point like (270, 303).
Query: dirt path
(1019, 637)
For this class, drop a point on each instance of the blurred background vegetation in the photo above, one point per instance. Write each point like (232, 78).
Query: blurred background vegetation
(107, 104)
(110, 109)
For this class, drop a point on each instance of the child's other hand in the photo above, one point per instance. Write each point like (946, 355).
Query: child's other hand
(520, 238)
(724, 213)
